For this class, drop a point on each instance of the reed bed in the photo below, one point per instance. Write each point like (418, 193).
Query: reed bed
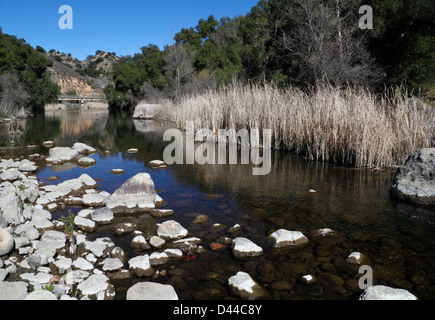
(344, 126)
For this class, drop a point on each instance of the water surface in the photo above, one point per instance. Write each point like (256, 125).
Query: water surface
(397, 238)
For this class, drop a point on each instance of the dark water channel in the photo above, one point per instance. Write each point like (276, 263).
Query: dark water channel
(397, 238)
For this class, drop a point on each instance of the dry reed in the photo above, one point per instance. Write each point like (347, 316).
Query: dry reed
(345, 126)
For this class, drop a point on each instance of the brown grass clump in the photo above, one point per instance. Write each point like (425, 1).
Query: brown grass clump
(345, 126)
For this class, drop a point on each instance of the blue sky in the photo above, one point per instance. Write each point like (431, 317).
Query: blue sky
(121, 26)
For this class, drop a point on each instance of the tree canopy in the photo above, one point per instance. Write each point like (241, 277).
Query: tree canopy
(298, 42)
(24, 70)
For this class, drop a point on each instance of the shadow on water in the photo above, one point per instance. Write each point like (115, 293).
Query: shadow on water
(397, 238)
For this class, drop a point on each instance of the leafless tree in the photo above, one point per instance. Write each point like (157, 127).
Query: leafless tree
(12, 96)
(179, 67)
(328, 42)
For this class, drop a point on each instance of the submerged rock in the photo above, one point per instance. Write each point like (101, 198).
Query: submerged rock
(415, 181)
(357, 258)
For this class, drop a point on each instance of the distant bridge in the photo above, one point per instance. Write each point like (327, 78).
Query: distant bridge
(82, 99)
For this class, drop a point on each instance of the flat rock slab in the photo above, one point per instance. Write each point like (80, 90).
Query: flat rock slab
(41, 295)
(172, 230)
(151, 291)
(97, 287)
(60, 155)
(103, 216)
(13, 290)
(284, 238)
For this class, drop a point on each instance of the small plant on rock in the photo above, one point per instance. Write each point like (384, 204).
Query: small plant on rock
(69, 231)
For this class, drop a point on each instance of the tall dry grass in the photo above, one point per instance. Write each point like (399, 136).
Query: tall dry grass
(346, 126)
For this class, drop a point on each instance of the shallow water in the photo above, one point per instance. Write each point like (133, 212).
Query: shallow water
(397, 238)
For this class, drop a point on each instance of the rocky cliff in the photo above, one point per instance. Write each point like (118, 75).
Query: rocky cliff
(71, 82)
(88, 77)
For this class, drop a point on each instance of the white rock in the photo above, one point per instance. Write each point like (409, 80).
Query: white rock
(74, 277)
(83, 148)
(284, 238)
(135, 195)
(94, 200)
(157, 242)
(158, 258)
(112, 264)
(193, 241)
(156, 163)
(61, 155)
(308, 279)
(63, 264)
(40, 277)
(27, 166)
(386, 293)
(356, 257)
(13, 290)
(174, 253)
(41, 295)
(85, 224)
(102, 216)
(86, 162)
(11, 174)
(117, 171)
(141, 266)
(144, 291)
(97, 287)
(6, 242)
(245, 248)
(82, 264)
(139, 242)
(171, 230)
(100, 246)
(244, 286)
(146, 111)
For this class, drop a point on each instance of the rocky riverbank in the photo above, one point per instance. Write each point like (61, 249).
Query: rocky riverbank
(42, 259)
(415, 180)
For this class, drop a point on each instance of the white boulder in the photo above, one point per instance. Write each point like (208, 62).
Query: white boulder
(283, 238)
(386, 293)
(244, 248)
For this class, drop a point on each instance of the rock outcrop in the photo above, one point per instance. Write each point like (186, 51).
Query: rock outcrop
(415, 181)
(147, 111)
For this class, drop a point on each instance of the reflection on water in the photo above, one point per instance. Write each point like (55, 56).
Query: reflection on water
(76, 123)
(397, 238)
